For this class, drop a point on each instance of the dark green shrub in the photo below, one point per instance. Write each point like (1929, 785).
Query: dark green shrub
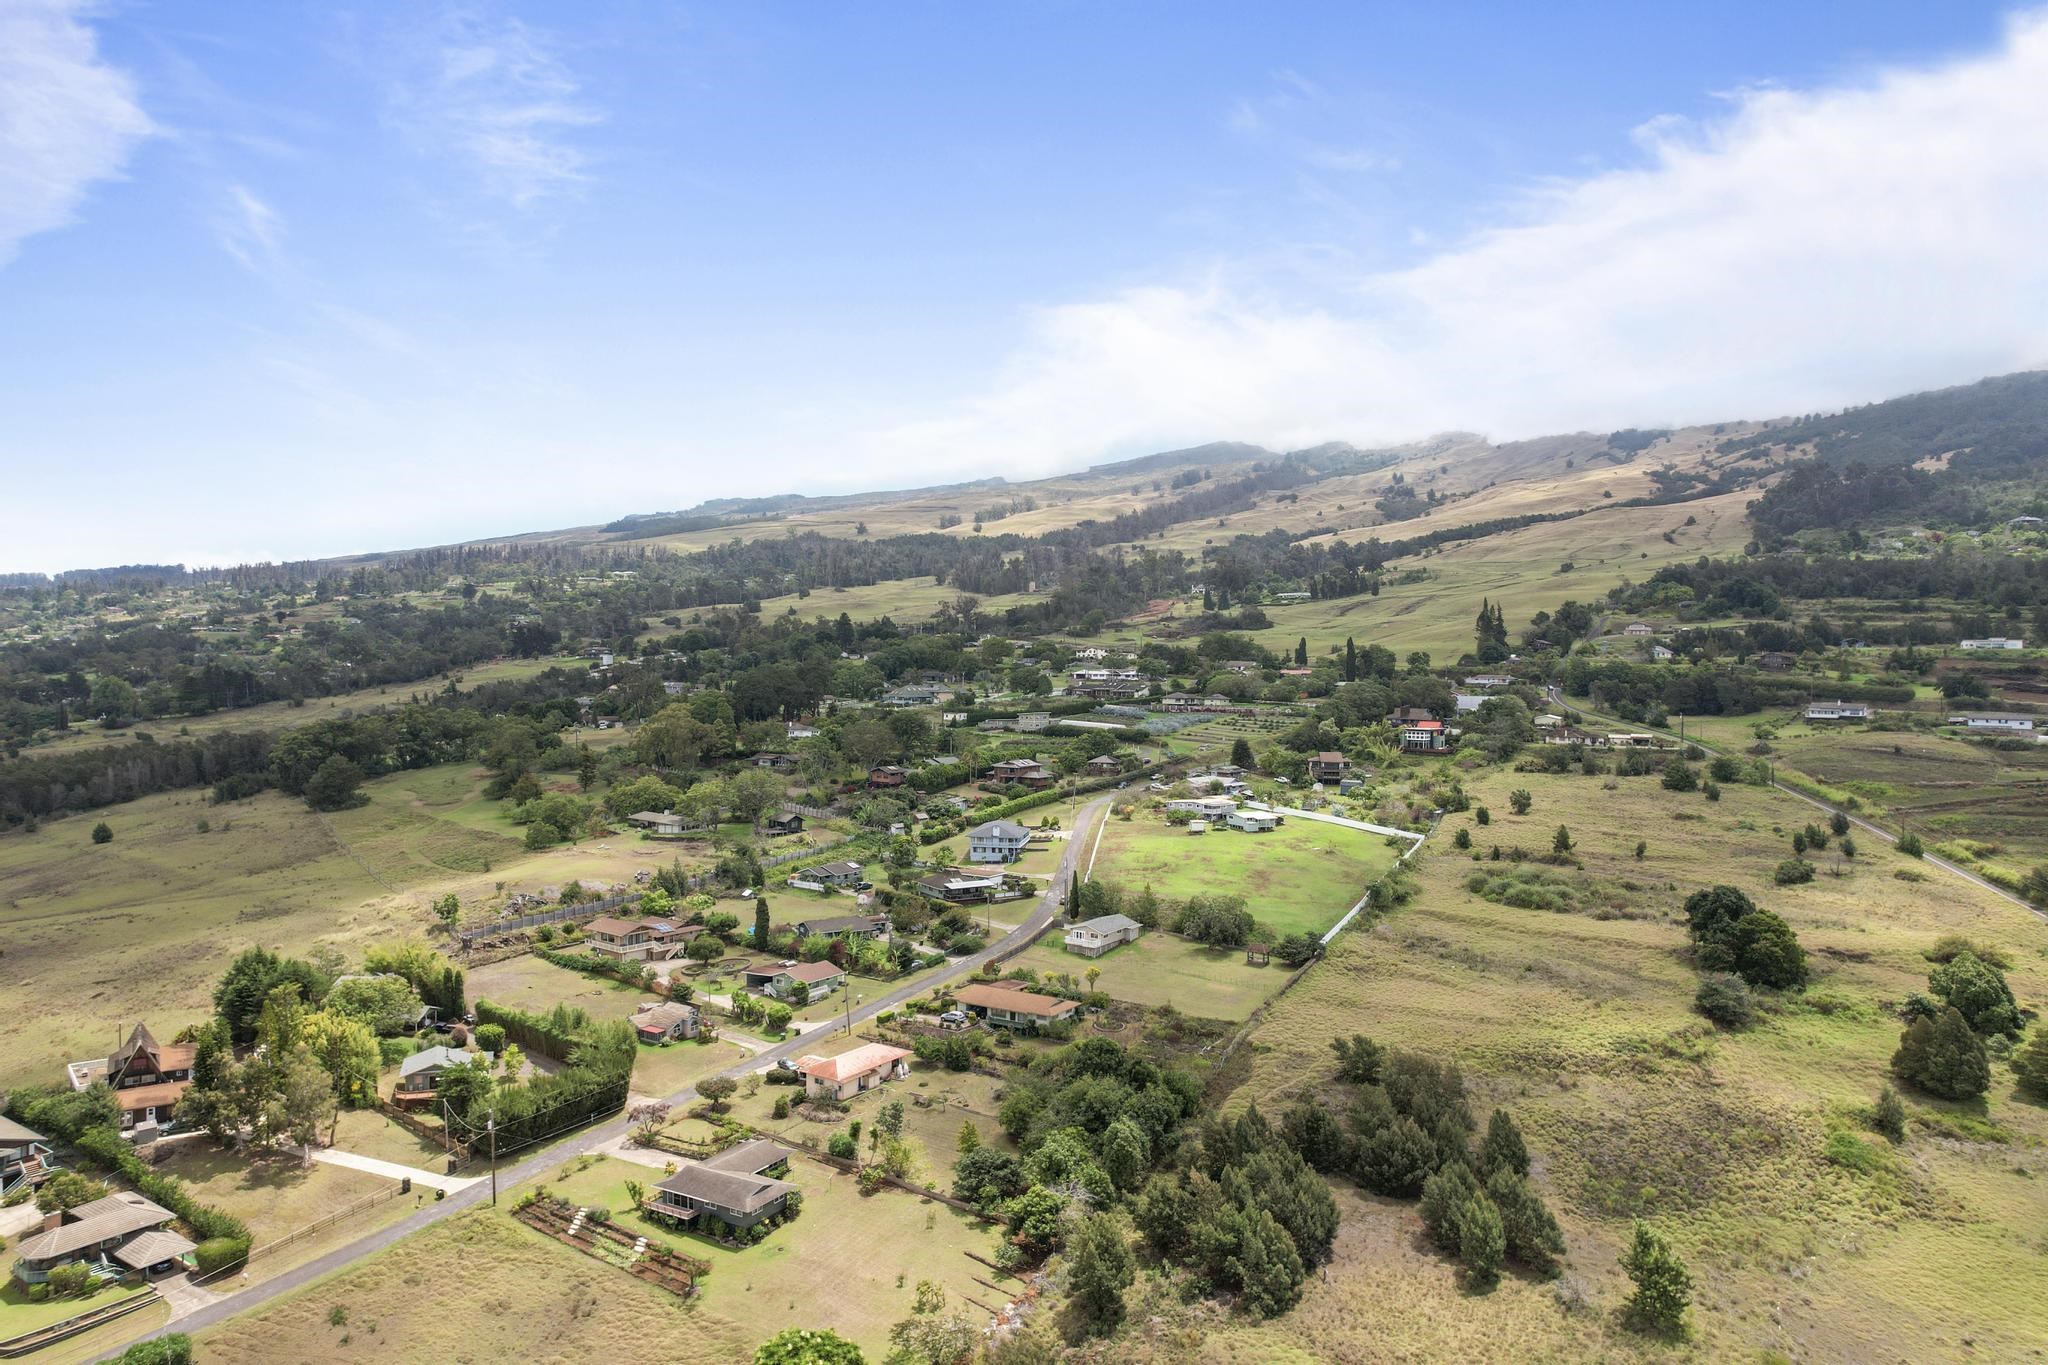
(1724, 998)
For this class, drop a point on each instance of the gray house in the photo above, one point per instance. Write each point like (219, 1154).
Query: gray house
(998, 841)
(421, 1072)
(733, 1188)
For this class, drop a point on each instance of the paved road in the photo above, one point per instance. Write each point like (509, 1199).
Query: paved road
(1557, 697)
(593, 1139)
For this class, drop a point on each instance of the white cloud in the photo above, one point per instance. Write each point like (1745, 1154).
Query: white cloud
(1803, 251)
(249, 229)
(492, 93)
(67, 119)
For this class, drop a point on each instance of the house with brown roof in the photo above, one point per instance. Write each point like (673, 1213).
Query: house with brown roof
(1103, 765)
(147, 1078)
(851, 1073)
(788, 822)
(734, 1189)
(954, 886)
(1003, 1004)
(641, 940)
(121, 1231)
(659, 1022)
(1328, 766)
(888, 775)
(780, 981)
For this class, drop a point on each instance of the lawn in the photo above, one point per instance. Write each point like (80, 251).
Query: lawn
(278, 1195)
(369, 1133)
(19, 1314)
(1160, 969)
(535, 985)
(1633, 1105)
(1300, 878)
(663, 1070)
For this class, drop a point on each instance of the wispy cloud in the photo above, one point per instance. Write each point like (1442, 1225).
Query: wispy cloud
(493, 94)
(1805, 250)
(249, 229)
(67, 118)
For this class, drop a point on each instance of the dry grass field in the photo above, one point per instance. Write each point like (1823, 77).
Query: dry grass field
(1582, 1024)
(482, 1286)
(97, 937)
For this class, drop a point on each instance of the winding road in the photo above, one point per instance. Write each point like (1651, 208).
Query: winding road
(590, 1140)
(1558, 699)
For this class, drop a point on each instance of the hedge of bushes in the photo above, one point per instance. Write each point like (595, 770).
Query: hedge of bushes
(533, 1032)
(632, 974)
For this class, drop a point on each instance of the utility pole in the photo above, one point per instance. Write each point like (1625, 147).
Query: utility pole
(851, 1001)
(491, 1127)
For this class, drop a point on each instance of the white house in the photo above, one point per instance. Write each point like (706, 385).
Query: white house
(1837, 710)
(1992, 642)
(1998, 721)
(1639, 628)
(998, 841)
(1094, 937)
(1483, 681)
(1208, 807)
(1253, 821)
(850, 1073)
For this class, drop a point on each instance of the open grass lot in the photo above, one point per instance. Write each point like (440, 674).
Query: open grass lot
(1941, 786)
(368, 1133)
(1299, 878)
(1582, 1023)
(482, 1286)
(277, 1196)
(1160, 969)
(666, 1069)
(529, 983)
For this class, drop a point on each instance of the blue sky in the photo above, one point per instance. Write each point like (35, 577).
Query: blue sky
(282, 279)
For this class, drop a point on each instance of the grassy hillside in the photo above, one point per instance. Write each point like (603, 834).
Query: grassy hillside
(98, 937)
(1636, 1106)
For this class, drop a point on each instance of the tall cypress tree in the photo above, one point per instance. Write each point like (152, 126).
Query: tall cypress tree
(1350, 660)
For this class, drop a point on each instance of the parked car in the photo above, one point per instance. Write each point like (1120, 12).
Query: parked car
(953, 1017)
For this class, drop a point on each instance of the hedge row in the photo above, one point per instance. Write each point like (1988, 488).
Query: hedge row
(1003, 810)
(533, 1032)
(225, 1234)
(633, 974)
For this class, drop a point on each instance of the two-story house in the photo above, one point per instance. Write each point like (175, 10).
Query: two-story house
(147, 1078)
(24, 1156)
(1094, 937)
(998, 841)
(643, 940)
